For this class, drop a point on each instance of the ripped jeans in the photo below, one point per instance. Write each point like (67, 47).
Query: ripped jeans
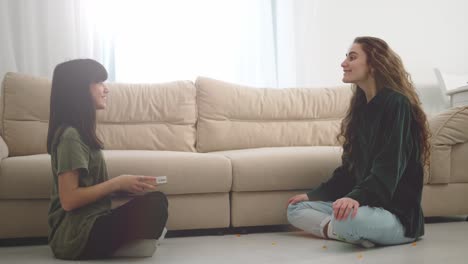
(373, 224)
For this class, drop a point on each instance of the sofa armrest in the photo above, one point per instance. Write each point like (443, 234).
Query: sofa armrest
(448, 129)
(3, 149)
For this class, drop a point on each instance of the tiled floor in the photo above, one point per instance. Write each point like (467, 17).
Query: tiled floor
(444, 243)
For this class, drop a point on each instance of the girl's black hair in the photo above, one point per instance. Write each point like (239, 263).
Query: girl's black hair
(71, 103)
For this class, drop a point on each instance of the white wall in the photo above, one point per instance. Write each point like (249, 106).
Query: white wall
(425, 33)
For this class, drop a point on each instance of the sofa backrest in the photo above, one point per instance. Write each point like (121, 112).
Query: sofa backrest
(449, 146)
(25, 105)
(138, 116)
(236, 117)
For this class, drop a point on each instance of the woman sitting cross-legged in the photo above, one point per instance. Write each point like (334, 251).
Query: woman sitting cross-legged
(374, 197)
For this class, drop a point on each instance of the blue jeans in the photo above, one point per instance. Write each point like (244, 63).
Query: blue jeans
(373, 224)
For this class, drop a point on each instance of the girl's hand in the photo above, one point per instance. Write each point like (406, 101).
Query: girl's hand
(135, 183)
(342, 207)
(298, 198)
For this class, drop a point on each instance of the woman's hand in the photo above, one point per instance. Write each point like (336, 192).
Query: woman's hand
(298, 198)
(342, 207)
(135, 183)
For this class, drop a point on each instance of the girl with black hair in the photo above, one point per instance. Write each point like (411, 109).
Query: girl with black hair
(82, 224)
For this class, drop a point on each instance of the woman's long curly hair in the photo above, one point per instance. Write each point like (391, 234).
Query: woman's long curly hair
(388, 71)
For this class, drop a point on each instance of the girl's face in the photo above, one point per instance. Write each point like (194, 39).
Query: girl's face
(99, 93)
(355, 66)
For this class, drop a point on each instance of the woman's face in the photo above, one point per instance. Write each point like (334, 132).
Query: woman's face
(99, 93)
(355, 66)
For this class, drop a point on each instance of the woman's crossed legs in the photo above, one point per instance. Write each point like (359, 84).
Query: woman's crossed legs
(371, 225)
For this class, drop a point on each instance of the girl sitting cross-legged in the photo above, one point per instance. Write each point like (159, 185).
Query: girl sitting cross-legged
(82, 224)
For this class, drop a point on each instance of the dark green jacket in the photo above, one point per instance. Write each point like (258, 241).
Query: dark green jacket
(387, 171)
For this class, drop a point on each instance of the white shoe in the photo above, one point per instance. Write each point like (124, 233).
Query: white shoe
(137, 248)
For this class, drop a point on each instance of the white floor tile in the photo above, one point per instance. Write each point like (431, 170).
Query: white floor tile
(444, 243)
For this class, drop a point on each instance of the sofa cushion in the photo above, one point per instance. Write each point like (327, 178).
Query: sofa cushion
(284, 168)
(26, 177)
(448, 130)
(239, 117)
(245, 212)
(149, 117)
(25, 102)
(3, 149)
(186, 172)
(458, 163)
(30, 177)
(138, 116)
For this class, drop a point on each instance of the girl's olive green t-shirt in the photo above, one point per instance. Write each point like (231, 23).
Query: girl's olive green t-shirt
(69, 231)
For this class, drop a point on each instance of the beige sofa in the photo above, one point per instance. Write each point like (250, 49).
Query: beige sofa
(232, 154)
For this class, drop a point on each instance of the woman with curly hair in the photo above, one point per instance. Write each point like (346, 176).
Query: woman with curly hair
(374, 197)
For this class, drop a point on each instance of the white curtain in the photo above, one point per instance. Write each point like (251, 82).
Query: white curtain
(37, 35)
(157, 41)
(143, 40)
(297, 50)
(262, 43)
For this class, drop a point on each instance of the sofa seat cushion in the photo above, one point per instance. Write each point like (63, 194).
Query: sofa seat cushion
(30, 177)
(281, 168)
(187, 172)
(26, 177)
